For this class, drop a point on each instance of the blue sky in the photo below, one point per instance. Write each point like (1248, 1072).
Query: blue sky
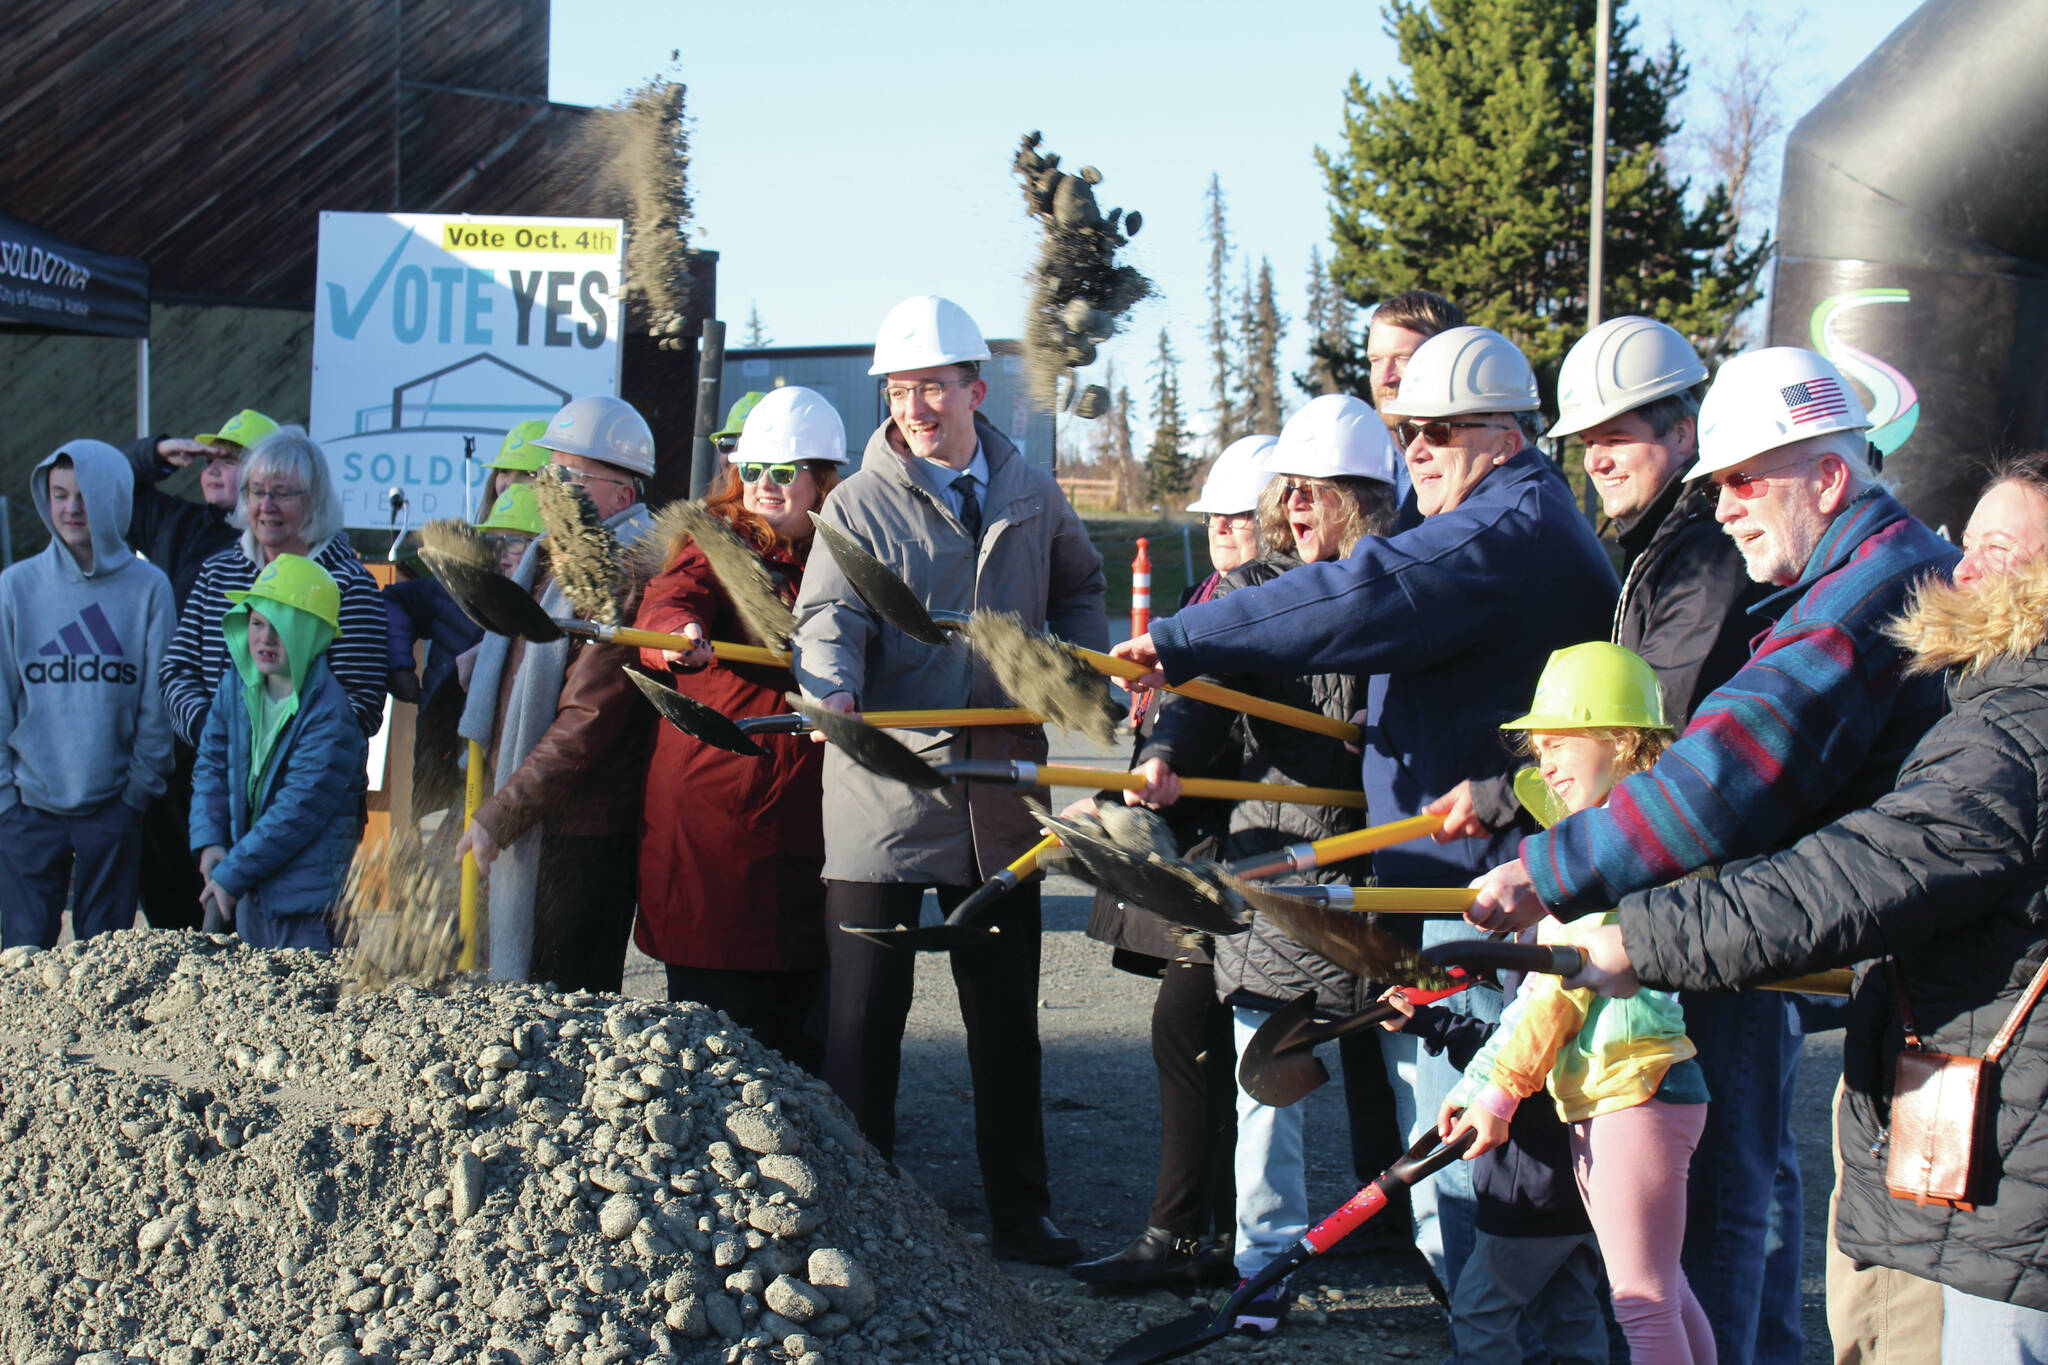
(846, 156)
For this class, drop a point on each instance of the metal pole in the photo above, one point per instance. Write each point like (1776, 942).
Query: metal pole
(1597, 249)
(142, 386)
(710, 370)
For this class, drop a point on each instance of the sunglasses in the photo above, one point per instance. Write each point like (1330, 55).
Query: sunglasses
(781, 475)
(1749, 485)
(1308, 488)
(1437, 433)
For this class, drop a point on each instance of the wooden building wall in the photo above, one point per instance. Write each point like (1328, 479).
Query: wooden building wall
(207, 137)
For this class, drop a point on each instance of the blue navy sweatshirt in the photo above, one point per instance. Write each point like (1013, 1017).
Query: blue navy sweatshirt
(1453, 615)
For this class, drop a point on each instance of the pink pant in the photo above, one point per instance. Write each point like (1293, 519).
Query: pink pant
(1631, 1167)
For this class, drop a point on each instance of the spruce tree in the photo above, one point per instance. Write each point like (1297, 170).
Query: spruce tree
(1336, 347)
(757, 335)
(1264, 327)
(1472, 178)
(1227, 423)
(1166, 462)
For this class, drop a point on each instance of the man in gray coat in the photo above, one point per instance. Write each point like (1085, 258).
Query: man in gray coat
(952, 507)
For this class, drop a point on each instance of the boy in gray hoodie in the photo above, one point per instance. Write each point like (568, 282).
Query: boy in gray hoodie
(87, 741)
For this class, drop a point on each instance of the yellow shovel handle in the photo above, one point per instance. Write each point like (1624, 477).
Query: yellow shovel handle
(1360, 842)
(1836, 982)
(1027, 862)
(655, 639)
(944, 719)
(1056, 775)
(1412, 900)
(472, 797)
(1230, 699)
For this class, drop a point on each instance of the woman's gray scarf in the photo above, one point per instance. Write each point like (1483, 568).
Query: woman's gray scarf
(530, 709)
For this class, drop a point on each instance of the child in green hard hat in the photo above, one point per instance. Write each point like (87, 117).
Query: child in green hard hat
(1619, 1072)
(280, 766)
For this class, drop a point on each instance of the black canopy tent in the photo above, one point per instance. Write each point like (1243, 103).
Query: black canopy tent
(54, 287)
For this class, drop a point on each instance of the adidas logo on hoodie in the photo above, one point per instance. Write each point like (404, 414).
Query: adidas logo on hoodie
(75, 654)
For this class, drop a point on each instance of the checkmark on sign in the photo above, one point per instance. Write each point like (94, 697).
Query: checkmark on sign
(348, 321)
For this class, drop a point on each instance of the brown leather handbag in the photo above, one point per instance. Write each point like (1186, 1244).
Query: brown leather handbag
(1942, 1110)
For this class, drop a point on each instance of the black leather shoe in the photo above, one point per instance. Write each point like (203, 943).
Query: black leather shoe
(1035, 1241)
(1157, 1257)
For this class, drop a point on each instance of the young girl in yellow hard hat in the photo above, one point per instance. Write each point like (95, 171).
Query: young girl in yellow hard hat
(1619, 1071)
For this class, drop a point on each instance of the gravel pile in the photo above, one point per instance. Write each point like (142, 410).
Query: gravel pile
(214, 1153)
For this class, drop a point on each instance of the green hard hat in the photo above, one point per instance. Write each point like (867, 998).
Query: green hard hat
(245, 428)
(517, 510)
(737, 418)
(297, 582)
(519, 454)
(1595, 686)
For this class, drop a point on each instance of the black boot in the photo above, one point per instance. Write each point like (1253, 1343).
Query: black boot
(1157, 1257)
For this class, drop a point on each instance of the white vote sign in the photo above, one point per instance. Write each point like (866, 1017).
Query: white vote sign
(432, 328)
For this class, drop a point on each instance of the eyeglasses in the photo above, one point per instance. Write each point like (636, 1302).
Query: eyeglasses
(781, 475)
(1750, 485)
(1226, 518)
(931, 390)
(1437, 433)
(279, 496)
(579, 477)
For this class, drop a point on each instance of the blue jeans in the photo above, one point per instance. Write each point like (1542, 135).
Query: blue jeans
(1977, 1331)
(1443, 1205)
(95, 857)
(1741, 1251)
(1272, 1179)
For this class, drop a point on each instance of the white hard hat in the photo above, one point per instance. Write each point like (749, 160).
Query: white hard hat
(1239, 475)
(1621, 365)
(1762, 400)
(609, 430)
(1465, 370)
(926, 331)
(792, 423)
(1335, 436)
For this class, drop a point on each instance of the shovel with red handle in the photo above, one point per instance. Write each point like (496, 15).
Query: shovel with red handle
(1171, 1340)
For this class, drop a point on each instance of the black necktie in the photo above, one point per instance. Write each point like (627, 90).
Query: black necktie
(970, 507)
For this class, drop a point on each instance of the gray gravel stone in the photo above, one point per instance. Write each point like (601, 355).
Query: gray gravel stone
(619, 1215)
(762, 1130)
(465, 1186)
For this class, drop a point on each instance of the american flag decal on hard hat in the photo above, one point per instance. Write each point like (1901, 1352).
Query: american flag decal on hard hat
(1813, 400)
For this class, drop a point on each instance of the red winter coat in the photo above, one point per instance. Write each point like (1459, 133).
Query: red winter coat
(731, 847)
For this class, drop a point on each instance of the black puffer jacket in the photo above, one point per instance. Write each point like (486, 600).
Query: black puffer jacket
(1685, 602)
(1264, 968)
(1948, 875)
(1146, 943)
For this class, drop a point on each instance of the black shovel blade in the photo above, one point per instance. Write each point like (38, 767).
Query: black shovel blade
(923, 938)
(872, 749)
(1271, 1070)
(694, 718)
(1171, 1340)
(888, 596)
(1347, 940)
(492, 600)
(1175, 892)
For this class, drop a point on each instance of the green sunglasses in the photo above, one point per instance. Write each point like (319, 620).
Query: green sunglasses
(783, 475)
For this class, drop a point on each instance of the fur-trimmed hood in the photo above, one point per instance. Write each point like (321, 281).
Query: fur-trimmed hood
(1970, 628)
